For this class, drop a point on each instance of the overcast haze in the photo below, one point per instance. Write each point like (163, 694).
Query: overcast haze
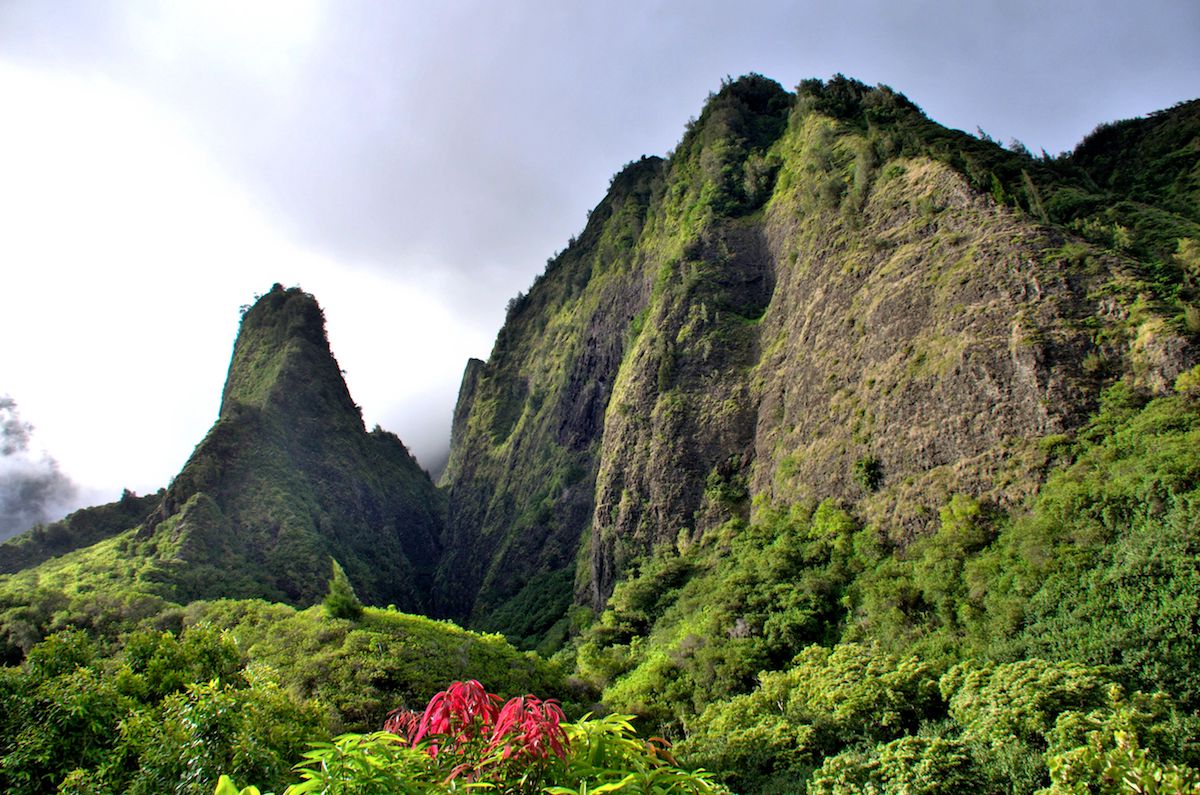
(413, 165)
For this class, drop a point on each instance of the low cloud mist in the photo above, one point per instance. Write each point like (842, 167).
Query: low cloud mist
(32, 489)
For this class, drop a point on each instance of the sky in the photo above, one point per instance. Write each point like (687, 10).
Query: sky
(413, 165)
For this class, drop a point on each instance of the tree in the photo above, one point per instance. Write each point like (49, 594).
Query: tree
(341, 601)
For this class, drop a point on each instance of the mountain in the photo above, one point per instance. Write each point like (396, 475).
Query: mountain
(287, 478)
(818, 295)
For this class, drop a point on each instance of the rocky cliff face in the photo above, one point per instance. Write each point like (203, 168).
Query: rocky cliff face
(527, 428)
(288, 476)
(819, 295)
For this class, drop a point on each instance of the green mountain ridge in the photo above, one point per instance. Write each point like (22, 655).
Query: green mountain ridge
(286, 478)
(814, 292)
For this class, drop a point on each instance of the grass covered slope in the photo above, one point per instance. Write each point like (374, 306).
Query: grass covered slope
(82, 528)
(362, 669)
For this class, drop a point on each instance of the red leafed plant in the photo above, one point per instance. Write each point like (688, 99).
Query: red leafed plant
(531, 727)
(467, 733)
(403, 723)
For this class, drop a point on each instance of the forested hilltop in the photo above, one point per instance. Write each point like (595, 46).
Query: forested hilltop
(847, 452)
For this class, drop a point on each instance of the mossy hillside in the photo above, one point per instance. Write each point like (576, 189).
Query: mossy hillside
(528, 421)
(878, 288)
(545, 390)
(361, 669)
(931, 310)
(902, 208)
(133, 577)
(707, 290)
(101, 588)
(288, 477)
(1128, 188)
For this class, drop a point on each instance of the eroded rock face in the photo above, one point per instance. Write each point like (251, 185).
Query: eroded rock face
(931, 332)
(906, 339)
(679, 433)
(520, 484)
(817, 296)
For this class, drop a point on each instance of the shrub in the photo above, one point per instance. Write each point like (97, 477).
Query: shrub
(465, 739)
(828, 699)
(1114, 764)
(341, 601)
(868, 473)
(911, 765)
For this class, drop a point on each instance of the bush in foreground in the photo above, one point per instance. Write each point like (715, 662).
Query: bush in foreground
(467, 739)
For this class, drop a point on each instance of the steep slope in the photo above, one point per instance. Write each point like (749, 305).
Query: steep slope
(285, 479)
(288, 476)
(817, 295)
(1151, 161)
(527, 426)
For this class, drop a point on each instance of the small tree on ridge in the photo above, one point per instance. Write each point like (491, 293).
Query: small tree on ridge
(341, 601)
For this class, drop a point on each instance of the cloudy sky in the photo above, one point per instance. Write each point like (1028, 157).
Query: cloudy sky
(413, 165)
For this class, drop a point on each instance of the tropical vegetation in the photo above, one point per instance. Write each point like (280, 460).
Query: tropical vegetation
(840, 453)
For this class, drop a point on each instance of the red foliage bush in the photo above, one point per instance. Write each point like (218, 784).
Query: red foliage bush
(466, 724)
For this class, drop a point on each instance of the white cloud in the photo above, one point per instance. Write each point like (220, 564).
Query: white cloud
(127, 254)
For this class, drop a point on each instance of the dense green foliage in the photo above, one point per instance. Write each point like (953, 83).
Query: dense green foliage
(243, 689)
(465, 740)
(1100, 569)
(165, 714)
